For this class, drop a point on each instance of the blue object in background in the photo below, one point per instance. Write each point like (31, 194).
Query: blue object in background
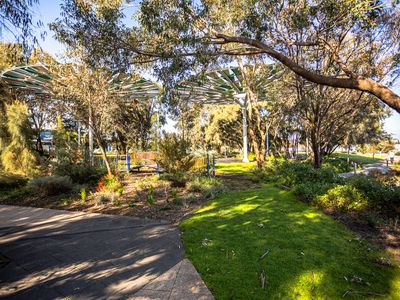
(128, 161)
(208, 164)
(213, 164)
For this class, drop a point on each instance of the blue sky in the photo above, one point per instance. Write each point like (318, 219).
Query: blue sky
(48, 10)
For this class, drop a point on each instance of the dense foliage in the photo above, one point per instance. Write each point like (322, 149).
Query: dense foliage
(174, 155)
(324, 188)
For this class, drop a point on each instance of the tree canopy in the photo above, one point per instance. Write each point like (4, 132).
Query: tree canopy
(361, 37)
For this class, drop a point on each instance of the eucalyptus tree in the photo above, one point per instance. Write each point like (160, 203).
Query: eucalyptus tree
(360, 36)
(16, 18)
(87, 96)
(222, 127)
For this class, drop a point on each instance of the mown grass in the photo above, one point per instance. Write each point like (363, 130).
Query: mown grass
(310, 256)
(358, 158)
(235, 168)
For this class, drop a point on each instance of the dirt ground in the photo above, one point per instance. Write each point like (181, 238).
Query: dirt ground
(142, 196)
(174, 204)
(385, 235)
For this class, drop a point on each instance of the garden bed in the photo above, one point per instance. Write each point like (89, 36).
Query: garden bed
(144, 195)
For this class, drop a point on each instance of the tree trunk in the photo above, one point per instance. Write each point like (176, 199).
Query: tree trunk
(104, 156)
(315, 147)
(254, 140)
(39, 145)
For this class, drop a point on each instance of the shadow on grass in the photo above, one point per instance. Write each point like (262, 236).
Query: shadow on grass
(310, 256)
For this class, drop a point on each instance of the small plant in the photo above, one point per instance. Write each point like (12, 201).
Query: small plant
(191, 198)
(150, 196)
(104, 198)
(131, 204)
(117, 202)
(83, 194)
(175, 199)
(176, 179)
(119, 191)
(50, 185)
(208, 186)
(109, 183)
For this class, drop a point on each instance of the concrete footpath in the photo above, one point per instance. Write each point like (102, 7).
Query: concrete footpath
(54, 254)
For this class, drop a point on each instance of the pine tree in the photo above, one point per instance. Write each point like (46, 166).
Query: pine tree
(18, 156)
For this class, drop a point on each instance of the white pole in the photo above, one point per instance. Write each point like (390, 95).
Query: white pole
(244, 111)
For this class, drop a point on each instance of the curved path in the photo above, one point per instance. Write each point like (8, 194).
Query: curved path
(54, 254)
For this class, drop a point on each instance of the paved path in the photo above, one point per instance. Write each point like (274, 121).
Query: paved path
(55, 254)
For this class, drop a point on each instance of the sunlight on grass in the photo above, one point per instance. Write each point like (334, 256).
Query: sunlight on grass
(358, 158)
(309, 255)
(235, 168)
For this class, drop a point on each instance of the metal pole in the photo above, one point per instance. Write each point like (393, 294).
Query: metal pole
(244, 112)
(213, 164)
(208, 164)
(79, 133)
(91, 156)
(128, 161)
(267, 140)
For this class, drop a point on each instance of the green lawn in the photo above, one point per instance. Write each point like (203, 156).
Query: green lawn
(310, 256)
(360, 159)
(235, 168)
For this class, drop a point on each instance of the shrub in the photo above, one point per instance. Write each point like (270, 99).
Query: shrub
(150, 199)
(11, 181)
(174, 155)
(382, 196)
(293, 173)
(337, 165)
(208, 186)
(109, 183)
(176, 179)
(51, 185)
(309, 191)
(79, 173)
(83, 194)
(343, 197)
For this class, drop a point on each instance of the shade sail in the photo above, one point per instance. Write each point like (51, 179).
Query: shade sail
(223, 86)
(30, 78)
(36, 79)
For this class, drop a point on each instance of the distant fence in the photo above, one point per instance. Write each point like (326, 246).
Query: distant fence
(202, 164)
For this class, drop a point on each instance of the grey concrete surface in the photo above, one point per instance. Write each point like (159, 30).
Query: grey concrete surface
(55, 254)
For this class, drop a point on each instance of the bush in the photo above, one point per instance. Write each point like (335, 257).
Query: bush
(382, 196)
(309, 191)
(110, 183)
(176, 179)
(11, 181)
(174, 156)
(51, 185)
(294, 173)
(343, 197)
(337, 165)
(209, 187)
(79, 173)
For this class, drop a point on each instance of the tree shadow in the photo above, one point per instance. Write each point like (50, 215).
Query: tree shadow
(307, 255)
(91, 258)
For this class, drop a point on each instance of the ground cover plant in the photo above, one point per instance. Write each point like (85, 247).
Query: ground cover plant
(241, 237)
(139, 194)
